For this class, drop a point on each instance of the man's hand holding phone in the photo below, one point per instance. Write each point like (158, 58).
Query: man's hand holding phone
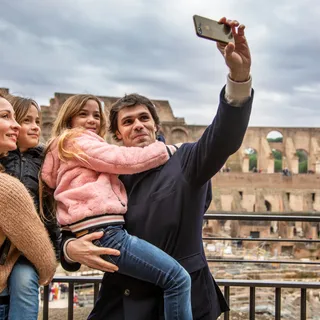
(231, 42)
(237, 54)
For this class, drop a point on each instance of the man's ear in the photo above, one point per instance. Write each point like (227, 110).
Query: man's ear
(118, 134)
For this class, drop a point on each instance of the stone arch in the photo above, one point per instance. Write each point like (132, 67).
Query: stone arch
(278, 160)
(275, 136)
(303, 160)
(179, 134)
(252, 154)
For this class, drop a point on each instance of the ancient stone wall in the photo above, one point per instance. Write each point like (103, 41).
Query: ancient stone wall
(176, 130)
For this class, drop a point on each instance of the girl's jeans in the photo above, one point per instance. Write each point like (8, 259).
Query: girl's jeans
(140, 259)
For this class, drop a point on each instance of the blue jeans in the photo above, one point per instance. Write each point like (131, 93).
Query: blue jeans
(4, 308)
(141, 260)
(24, 291)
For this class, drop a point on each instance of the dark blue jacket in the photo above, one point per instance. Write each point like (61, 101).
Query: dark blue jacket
(26, 166)
(166, 208)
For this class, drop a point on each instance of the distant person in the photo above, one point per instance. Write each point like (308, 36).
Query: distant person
(286, 172)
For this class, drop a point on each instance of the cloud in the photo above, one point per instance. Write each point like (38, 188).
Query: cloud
(150, 47)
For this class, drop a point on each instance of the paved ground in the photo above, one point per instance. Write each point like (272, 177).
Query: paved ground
(61, 314)
(82, 314)
(58, 311)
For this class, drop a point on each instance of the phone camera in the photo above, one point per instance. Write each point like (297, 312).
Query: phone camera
(199, 29)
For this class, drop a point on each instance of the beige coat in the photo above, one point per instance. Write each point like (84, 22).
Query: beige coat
(20, 222)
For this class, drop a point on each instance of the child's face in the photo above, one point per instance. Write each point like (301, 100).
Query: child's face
(88, 117)
(30, 130)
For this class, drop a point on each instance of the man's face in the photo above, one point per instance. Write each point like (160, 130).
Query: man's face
(136, 127)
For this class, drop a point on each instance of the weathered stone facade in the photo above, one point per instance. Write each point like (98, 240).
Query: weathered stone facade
(176, 130)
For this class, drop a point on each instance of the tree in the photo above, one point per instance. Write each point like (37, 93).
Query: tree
(303, 167)
(277, 160)
(303, 161)
(252, 161)
(277, 154)
(278, 139)
(277, 165)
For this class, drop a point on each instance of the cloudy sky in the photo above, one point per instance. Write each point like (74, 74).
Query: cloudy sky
(111, 48)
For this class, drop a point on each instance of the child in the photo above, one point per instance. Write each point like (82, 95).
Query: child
(83, 170)
(24, 163)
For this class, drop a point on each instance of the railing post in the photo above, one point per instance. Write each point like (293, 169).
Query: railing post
(278, 304)
(70, 301)
(95, 292)
(252, 303)
(303, 304)
(227, 297)
(45, 313)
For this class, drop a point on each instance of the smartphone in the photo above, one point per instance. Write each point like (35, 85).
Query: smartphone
(212, 30)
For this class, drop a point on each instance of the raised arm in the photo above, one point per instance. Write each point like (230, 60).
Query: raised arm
(22, 225)
(201, 160)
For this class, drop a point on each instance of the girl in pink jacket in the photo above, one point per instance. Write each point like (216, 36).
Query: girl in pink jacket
(82, 169)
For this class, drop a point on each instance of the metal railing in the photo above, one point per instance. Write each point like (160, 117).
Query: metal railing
(278, 286)
(267, 216)
(227, 284)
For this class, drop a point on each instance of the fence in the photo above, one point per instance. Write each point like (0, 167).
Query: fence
(252, 285)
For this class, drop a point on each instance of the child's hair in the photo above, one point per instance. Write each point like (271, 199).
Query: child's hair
(62, 130)
(21, 106)
(74, 151)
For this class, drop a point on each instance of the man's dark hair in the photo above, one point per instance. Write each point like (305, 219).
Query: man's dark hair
(130, 100)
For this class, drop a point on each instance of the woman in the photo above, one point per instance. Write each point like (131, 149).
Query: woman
(21, 230)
